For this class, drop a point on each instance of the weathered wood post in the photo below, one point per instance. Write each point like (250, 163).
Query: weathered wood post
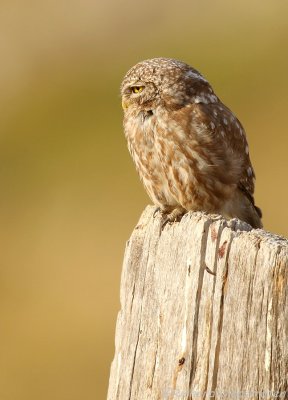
(204, 312)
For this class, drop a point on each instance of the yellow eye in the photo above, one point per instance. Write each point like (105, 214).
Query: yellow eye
(137, 89)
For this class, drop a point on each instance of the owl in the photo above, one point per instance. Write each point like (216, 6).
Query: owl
(189, 149)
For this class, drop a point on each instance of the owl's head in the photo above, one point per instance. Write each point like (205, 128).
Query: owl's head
(161, 82)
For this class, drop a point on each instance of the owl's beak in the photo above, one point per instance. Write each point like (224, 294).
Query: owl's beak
(125, 104)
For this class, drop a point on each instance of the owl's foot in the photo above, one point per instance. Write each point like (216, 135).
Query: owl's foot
(174, 216)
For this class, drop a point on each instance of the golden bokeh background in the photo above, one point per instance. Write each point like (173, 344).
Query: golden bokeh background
(70, 195)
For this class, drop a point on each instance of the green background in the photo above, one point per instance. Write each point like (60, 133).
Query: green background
(70, 195)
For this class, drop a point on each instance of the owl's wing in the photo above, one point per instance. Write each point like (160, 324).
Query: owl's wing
(223, 141)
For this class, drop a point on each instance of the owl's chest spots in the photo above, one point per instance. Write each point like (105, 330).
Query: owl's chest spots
(171, 170)
(142, 136)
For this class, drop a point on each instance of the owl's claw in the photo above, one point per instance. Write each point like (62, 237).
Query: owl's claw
(164, 223)
(156, 211)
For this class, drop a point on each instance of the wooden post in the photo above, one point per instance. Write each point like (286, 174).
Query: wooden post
(204, 312)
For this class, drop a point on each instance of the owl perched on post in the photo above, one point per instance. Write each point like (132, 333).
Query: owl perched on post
(189, 149)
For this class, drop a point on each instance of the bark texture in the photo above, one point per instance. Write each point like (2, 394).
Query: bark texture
(204, 312)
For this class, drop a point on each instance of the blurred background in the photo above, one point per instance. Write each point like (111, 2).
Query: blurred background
(70, 196)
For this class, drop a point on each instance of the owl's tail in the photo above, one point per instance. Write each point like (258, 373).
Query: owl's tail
(253, 215)
(242, 206)
(257, 218)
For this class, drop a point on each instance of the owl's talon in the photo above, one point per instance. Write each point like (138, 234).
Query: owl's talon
(164, 223)
(156, 211)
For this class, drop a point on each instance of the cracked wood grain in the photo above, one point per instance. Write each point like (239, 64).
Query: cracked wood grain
(204, 306)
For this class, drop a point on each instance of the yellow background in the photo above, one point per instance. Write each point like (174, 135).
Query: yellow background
(70, 195)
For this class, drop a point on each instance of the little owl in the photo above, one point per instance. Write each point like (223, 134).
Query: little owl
(189, 149)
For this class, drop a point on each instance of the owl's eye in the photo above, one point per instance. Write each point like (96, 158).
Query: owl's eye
(137, 89)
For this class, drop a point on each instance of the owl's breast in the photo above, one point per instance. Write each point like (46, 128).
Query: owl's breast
(142, 138)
